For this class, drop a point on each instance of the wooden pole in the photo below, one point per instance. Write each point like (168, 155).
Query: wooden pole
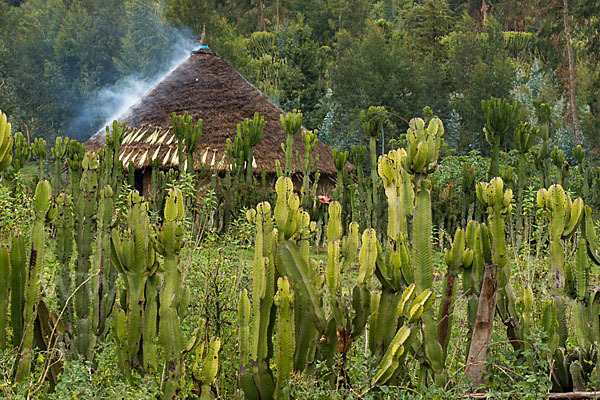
(484, 322)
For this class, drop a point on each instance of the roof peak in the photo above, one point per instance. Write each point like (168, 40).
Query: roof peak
(203, 44)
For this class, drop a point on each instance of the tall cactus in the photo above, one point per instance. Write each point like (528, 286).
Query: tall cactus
(18, 277)
(291, 124)
(252, 131)
(187, 134)
(22, 152)
(44, 211)
(284, 300)
(307, 165)
(85, 227)
(501, 119)
(64, 251)
(4, 289)
(168, 243)
(524, 137)
(59, 153)
(498, 204)
(372, 122)
(562, 167)
(104, 283)
(134, 257)
(39, 150)
(6, 142)
(339, 161)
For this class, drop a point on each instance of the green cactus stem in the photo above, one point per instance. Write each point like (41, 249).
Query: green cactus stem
(501, 119)
(284, 300)
(59, 154)
(291, 124)
(524, 137)
(498, 203)
(168, 243)
(372, 122)
(64, 251)
(134, 257)
(44, 210)
(4, 289)
(39, 150)
(6, 142)
(22, 152)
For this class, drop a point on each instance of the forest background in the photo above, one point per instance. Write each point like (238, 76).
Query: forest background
(66, 65)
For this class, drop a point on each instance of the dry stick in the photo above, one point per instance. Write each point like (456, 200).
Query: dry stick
(484, 322)
(566, 395)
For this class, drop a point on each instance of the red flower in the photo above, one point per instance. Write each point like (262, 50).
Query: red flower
(324, 199)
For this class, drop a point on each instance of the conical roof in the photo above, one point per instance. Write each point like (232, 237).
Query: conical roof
(206, 87)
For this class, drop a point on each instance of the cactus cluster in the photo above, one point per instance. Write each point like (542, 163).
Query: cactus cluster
(6, 142)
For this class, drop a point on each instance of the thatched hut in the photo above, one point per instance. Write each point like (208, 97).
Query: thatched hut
(208, 88)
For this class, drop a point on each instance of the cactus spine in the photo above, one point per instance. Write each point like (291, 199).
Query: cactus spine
(44, 210)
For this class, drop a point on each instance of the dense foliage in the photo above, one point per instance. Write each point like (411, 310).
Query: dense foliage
(62, 63)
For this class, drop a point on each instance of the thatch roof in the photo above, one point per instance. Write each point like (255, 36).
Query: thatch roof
(206, 87)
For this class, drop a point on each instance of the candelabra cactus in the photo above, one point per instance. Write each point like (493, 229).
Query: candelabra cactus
(44, 211)
(458, 258)
(285, 343)
(586, 173)
(39, 150)
(257, 379)
(372, 122)
(501, 117)
(22, 152)
(111, 167)
(207, 365)
(291, 124)
(363, 205)
(410, 309)
(498, 204)
(252, 132)
(85, 226)
(564, 216)
(6, 142)
(75, 153)
(134, 257)
(64, 224)
(4, 289)
(524, 137)
(104, 282)
(562, 167)
(18, 276)
(468, 190)
(187, 135)
(59, 154)
(168, 243)
(307, 165)
(339, 161)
